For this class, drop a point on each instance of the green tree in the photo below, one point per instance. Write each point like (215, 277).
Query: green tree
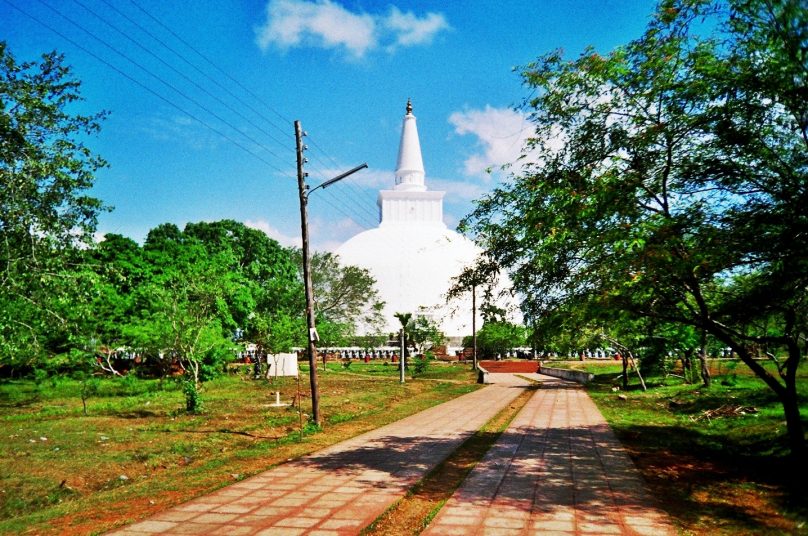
(425, 334)
(278, 331)
(345, 295)
(667, 180)
(268, 270)
(497, 337)
(120, 269)
(566, 330)
(45, 213)
(259, 293)
(185, 316)
(186, 295)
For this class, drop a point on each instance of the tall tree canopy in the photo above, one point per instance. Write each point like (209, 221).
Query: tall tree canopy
(669, 180)
(45, 212)
(207, 283)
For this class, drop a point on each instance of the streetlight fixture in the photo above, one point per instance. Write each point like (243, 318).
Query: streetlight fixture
(313, 337)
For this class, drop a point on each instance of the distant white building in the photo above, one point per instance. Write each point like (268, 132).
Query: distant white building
(412, 254)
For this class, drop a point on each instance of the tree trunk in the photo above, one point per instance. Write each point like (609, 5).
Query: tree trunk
(625, 370)
(268, 375)
(406, 355)
(705, 371)
(796, 434)
(687, 367)
(786, 392)
(791, 407)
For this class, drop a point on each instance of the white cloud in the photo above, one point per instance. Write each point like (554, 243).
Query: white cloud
(275, 233)
(410, 30)
(501, 134)
(324, 234)
(327, 24)
(329, 234)
(457, 191)
(323, 23)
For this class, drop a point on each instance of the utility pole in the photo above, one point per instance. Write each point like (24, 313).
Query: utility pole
(401, 361)
(304, 193)
(304, 227)
(474, 323)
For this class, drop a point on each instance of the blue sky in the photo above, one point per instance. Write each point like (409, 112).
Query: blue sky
(202, 97)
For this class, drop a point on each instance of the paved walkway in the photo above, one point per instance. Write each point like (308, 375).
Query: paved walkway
(341, 489)
(558, 469)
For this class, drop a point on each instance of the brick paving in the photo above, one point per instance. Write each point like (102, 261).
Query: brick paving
(341, 489)
(558, 469)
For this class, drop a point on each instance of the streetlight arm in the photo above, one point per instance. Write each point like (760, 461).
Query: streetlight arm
(339, 177)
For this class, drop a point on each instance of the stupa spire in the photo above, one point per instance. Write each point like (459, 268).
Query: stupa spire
(410, 166)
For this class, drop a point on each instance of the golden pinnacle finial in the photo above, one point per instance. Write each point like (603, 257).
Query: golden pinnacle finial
(409, 107)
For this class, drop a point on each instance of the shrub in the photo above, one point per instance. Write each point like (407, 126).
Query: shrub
(421, 364)
(193, 399)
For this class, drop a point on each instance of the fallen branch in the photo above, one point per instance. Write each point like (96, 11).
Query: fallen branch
(727, 410)
(220, 431)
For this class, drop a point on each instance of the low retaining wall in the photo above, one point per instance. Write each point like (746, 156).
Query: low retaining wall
(484, 368)
(566, 374)
(482, 375)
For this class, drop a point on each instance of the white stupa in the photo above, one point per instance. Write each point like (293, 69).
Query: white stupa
(412, 254)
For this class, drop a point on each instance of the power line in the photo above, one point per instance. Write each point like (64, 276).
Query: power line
(342, 209)
(322, 168)
(342, 203)
(153, 75)
(147, 88)
(336, 202)
(358, 192)
(198, 70)
(237, 83)
(358, 208)
(365, 223)
(213, 64)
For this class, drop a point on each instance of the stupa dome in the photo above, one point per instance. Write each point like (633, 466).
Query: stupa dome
(413, 266)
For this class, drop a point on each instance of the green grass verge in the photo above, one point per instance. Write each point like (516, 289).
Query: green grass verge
(137, 451)
(718, 457)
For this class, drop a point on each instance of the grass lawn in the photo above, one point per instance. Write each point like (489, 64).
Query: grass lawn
(137, 452)
(717, 458)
